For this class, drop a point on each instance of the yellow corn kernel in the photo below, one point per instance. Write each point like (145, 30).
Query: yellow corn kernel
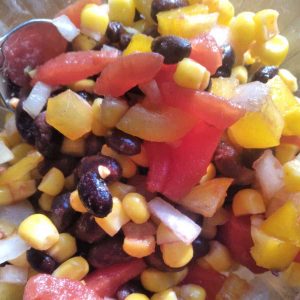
(21, 168)
(266, 26)
(286, 152)
(289, 79)
(22, 189)
(38, 231)
(291, 275)
(144, 8)
(120, 189)
(136, 296)
(98, 128)
(20, 151)
(6, 196)
(64, 249)
(113, 222)
(70, 183)
(273, 51)
(139, 43)
(291, 171)
(73, 148)
(248, 202)
(136, 208)
(20, 261)
(122, 11)
(13, 102)
(177, 255)
(53, 182)
(94, 20)
(219, 257)
(45, 202)
(76, 203)
(83, 43)
(74, 268)
(191, 292)
(168, 294)
(224, 8)
(139, 247)
(191, 74)
(210, 173)
(141, 158)
(248, 59)
(165, 235)
(240, 73)
(83, 85)
(157, 281)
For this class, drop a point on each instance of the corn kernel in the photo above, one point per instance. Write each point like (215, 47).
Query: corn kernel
(266, 26)
(240, 73)
(20, 151)
(248, 59)
(177, 255)
(289, 79)
(192, 292)
(83, 43)
(191, 74)
(94, 20)
(169, 294)
(139, 247)
(286, 152)
(157, 281)
(98, 128)
(83, 85)
(122, 11)
(248, 202)
(64, 249)
(136, 208)
(53, 182)
(38, 231)
(141, 158)
(165, 235)
(113, 222)
(22, 189)
(20, 261)
(210, 173)
(45, 202)
(120, 190)
(76, 203)
(139, 43)
(73, 148)
(291, 171)
(225, 10)
(6, 196)
(136, 296)
(13, 102)
(74, 268)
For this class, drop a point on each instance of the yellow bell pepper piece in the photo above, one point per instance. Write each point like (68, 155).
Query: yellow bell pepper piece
(139, 43)
(292, 175)
(122, 11)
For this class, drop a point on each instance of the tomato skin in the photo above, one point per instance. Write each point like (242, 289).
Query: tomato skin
(127, 72)
(73, 66)
(106, 281)
(236, 236)
(47, 287)
(211, 280)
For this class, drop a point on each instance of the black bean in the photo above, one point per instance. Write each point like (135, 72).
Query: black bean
(125, 39)
(93, 144)
(114, 31)
(172, 48)
(133, 286)
(94, 194)
(134, 96)
(265, 73)
(124, 143)
(228, 59)
(87, 230)
(47, 139)
(200, 247)
(91, 163)
(143, 170)
(164, 5)
(137, 16)
(85, 95)
(108, 252)
(222, 72)
(152, 31)
(62, 214)
(41, 261)
(13, 89)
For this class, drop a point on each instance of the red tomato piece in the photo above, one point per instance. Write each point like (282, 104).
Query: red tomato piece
(206, 52)
(211, 280)
(106, 281)
(212, 109)
(293, 139)
(47, 287)
(236, 236)
(38, 45)
(127, 72)
(297, 258)
(73, 11)
(73, 66)
(165, 74)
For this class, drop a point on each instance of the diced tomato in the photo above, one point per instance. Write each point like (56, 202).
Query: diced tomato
(236, 236)
(297, 258)
(212, 109)
(106, 281)
(206, 52)
(39, 44)
(293, 139)
(127, 72)
(165, 74)
(47, 287)
(181, 165)
(73, 11)
(211, 280)
(72, 66)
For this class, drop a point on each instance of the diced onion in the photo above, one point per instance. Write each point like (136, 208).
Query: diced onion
(269, 174)
(13, 274)
(37, 99)
(10, 125)
(66, 28)
(182, 226)
(221, 35)
(5, 153)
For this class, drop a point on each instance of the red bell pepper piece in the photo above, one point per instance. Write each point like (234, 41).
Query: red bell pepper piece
(106, 281)
(47, 287)
(211, 280)
(73, 66)
(127, 72)
(236, 236)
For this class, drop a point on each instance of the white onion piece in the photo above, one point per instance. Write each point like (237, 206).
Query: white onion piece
(269, 174)
(221, 35)
(66, 28)
(13, 274)
(182, 226)
(251, 96)
(16, 213)
(10, 125)
(37, 99)
(12, 247)
(5, 153)
(151, 90)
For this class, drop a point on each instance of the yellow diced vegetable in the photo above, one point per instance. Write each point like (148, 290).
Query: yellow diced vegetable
(83, 85)
(240, 73)
(83, 43)
(22, 189)
(191, 292)
(45, 202)
(122, 11)
(119, 189)
(286, 152)
(53, 182)
(140, 25)
(6, 196)
(223, 7)
(144, 7)
(141, 158)
(266, 24)
(139, 43)
(9, 291)
(289, 79)
(168, 294)
(210, 173)
(164, 234)
(76, 203)
(20, 151)
(98, 127)
(20, 261)
(292, 175)
(136, 296)
(73, 148)
(139, 247)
